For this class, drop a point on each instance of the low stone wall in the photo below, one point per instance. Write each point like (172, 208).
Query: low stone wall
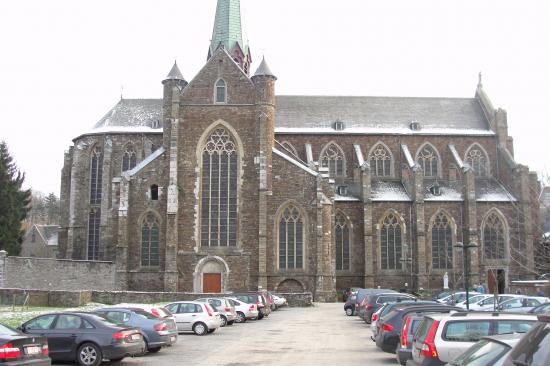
(57, 298)
(57, 274)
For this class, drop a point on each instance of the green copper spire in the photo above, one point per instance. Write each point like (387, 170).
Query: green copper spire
(228, 33)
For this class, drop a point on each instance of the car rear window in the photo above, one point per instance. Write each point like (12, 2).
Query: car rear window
(145, 314)
(484, 352)
(466, 331)
(514, 326)
(534, 347)
(385, 299)
(423, 329)
(414, 325)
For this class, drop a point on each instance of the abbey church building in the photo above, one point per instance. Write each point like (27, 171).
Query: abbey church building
(223, 185)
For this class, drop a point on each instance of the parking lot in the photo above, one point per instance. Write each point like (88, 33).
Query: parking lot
(322, 335)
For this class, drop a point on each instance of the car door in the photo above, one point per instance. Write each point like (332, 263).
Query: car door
(64, 335)
(41, 326)
(187, 316)
(178, 317)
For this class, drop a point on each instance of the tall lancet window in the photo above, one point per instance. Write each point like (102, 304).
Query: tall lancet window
(442, 243)
(94, 221)
(291, 239)
(150, 256)
(96, 173)
(478, 161)
(391, 243)
(129, 159)
(221, 91)
(428, 159)
(219, 190)
(494, 237)
(380, 161)
(341, 231)
(333, 158)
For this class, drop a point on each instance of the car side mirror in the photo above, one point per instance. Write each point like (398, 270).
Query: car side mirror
(21, 328)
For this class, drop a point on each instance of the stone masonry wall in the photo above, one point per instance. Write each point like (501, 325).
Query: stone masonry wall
(56, 274)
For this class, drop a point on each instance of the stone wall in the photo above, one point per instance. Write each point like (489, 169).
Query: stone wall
(56, 274)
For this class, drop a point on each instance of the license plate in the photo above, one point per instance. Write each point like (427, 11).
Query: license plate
(33, 350)
(136, 337)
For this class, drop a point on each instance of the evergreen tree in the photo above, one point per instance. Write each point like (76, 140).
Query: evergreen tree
(52, 209)
(14, 203)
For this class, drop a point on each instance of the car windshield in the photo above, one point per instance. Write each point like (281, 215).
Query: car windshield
(484, 352)
(7, 331)
(534, 347)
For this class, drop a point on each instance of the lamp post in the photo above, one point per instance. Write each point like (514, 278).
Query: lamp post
(466, 256)
(406, 260)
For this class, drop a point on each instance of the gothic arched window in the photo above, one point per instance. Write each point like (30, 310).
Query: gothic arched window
(291, 239)
(150, 255)
(478, 160)
(129, 159)
(341, 231)
(442, 243)
(380, 161)
(333, 158)
(494, 237)
(391, 242)
(94, 220)
(96, 173)
(221, 91)
(219, 190)
(428, 159)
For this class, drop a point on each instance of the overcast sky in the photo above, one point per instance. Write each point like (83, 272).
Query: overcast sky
(62, 62)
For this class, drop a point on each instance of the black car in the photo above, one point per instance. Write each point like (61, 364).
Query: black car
(19, 349)
(363, 293)
(349, 305)
(390, 326)
(373, 302)
(85, 338)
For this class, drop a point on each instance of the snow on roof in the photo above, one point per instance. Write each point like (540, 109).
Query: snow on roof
(382, 131)
(381, 114)
(389, 191)
(146, 161)
(339, 198)
(447, 194)
(408, 155)
(489, 190)
(295, 162)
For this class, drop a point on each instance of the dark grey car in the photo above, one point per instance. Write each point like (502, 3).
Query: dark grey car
(157, 333)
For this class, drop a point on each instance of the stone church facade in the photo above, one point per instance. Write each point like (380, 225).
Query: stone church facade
(222, 185)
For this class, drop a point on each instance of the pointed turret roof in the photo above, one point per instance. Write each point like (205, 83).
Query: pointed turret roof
(175, 73)
(228, 31)
(264, 70)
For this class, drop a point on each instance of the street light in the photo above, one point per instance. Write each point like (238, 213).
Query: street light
(465, 255)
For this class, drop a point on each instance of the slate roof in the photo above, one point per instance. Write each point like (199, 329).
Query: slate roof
(316, 114)
(489, 190)
(389, 191)
(175, 73)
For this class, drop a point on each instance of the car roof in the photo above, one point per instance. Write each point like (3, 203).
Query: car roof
(186, 302)
(482, 315)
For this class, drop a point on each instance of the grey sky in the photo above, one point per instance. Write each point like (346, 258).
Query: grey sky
(63, 62)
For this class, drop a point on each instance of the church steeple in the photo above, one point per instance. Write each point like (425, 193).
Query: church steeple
(228, 34)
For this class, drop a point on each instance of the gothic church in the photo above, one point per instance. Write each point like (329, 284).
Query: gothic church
(222, 185)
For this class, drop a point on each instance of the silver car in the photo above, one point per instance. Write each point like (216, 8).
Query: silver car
(228, 315)
(197, 317)
(244, 311)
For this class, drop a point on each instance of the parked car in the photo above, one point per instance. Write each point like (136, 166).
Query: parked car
(85, 338)
(279, 301)
(244, 310)
(390, 327)
(441, 338)
(17, 348)
(349, 292)
(387, 308)
(364, 292)
(491, 303)
(473, 300)
(541, 309)
(157, 333)
(534, 348)
(522, 304)
(197, 317)
(224, 307)
(349, 305)
(255, 298)
(157, 311)
(456, 297)
(489, 351)
(374, 301)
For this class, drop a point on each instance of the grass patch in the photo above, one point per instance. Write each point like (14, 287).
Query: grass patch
(14, 317)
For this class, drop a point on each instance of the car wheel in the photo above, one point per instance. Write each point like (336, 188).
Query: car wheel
(260, 316)
(89, 354)
(200, 329)
(223, 321)
(231, 322)
(240, 317)
(349, 311)
(154, 349)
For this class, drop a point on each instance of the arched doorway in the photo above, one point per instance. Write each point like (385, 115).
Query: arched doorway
(211, 275)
